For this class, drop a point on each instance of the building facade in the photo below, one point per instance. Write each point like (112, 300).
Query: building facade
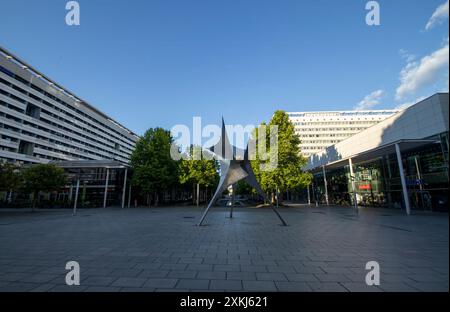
(40, 121)
(401, 162)
(318, 130)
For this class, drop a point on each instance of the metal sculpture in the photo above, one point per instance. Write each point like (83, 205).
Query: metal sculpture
(233, 170)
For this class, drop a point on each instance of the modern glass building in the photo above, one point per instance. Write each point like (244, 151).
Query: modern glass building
(401, 162)
(318, 130)
(41, 121)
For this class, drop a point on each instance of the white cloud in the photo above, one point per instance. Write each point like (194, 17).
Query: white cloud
(439, 16)
(416, 75)
(408, 57)
(408, 104)
(370, 100)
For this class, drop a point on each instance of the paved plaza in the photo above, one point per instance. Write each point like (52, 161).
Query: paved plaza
(161, 249)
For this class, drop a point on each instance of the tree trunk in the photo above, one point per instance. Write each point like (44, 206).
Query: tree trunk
(198, 194)
(193, 194)
(33, 204)
(156, 199)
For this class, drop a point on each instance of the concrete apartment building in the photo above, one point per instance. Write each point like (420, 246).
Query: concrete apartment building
(318, 130)
(41, 121)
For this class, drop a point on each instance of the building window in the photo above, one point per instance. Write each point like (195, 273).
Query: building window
(26, 148)
(33, 111)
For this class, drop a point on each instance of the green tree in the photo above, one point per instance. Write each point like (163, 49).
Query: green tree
(154, 170)
(198, 172)
(288, 174)
(242, 187)
(43, 178)
(10, 178)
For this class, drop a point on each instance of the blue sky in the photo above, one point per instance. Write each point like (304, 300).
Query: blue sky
(151, 63)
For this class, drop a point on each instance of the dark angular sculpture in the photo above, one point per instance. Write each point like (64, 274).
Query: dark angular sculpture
(233, 170)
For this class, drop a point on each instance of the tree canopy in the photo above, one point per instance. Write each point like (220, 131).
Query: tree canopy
(43, 178)
(10, 177)
(202, 171)
(154, 170)
(288, 174)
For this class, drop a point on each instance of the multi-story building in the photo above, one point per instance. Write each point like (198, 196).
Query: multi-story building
(41, 121)
(401, 162)
(318, 130)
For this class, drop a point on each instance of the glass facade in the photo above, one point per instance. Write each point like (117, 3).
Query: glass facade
(92, 187)
(378, 180)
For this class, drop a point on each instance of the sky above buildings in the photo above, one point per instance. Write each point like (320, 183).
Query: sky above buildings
(149, 63)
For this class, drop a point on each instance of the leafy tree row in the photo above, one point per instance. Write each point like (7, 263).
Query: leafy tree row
(32, 180)
(154, 171)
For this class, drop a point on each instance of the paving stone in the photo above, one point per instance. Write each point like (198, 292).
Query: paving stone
(360, 287)
(299, 277)
(241, 276)
(98, 281)
(200, 267)
(429, 286)
(101, 289)
(293, 286)
(174, 266)
(281, 269)
(397, 287)
(43, 288)
(182, 274)
(137, 289)
(226, 267)
(129, 282)
(66, 288)
(153, 273)
(253, 268)
(214, 261)
(211, 275)
(332, 277)
(195, 284)
(191, 260)
(229, 285)
(18, 287)
(161, 282)
(259, 286)
(125, 272)
(14, 277)
(40, 278)
(327, 287)
(271, 277)
(239, 261)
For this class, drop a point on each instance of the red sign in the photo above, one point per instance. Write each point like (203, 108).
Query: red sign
(365, 187)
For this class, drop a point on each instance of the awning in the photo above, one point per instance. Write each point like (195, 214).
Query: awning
(75, 164)
(405, 145)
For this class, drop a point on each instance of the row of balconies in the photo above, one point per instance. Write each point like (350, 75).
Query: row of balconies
(60, 106)
(58, 130)
(73, 150)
